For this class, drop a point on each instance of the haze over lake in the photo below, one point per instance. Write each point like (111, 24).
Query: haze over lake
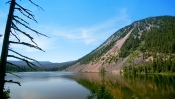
(68, 85)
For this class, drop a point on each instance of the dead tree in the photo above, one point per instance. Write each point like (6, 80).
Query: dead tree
(13, 29)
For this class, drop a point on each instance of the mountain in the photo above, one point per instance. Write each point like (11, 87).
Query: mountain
(44, 65)
(149, 41)
(22, 63)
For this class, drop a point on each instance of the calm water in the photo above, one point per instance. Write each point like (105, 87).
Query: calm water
(66, 85)
(46, 85)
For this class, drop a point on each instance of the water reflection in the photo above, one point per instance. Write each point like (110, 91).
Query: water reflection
(46, 85)
(101, 92)
(55, 85)
(128, 86)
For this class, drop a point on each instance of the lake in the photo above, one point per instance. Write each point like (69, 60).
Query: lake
(46, 85)
(69, 85)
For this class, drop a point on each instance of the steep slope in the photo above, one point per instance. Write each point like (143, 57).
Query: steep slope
(130, 45)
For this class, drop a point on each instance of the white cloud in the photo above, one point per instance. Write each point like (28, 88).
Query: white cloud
(43, 42)
(85, 35)
(79, 35)
(92, 35)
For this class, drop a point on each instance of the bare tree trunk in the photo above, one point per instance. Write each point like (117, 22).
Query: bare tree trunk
(5, 46)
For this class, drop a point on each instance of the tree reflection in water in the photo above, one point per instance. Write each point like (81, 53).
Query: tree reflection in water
(102, 92)
(127, 86)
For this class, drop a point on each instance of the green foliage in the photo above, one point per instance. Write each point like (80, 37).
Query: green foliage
(102, 93)
(11, 68)
(98, 91)
(134, 97)
(129, 46)
(159, 38)
(6, 94)
(133, 56)
(132, 86)
(95, 55)
(124, 31)
(102, 71)
(158, 65)
(154, 36)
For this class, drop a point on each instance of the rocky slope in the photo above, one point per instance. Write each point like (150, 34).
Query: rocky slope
(124, 47)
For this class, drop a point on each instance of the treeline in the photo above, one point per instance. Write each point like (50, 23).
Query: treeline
(158, 43)
(159, 64)
(12, 68)
(158, 39)
(129, 46)
(161, 40)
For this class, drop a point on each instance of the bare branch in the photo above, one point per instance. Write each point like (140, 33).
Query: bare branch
(20, 19)
(27, 44)
(36, 5)
(24, 56)
(30, 64)
(16, 28)
(28, 16)
(14, 74)
(15, 36)
(24, 9)
(14, 65)
(8, 2)
(11, 81)
(27, 13)
(15, 31)
(31, 29)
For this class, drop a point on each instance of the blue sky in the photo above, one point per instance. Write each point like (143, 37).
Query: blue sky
(76, 27)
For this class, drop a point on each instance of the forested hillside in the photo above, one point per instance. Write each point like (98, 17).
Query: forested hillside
(21, 66)
(157, 43)
(148, 42)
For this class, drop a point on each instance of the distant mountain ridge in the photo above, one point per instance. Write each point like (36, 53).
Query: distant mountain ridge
(22, 63)
(44, 65)
(132, 45)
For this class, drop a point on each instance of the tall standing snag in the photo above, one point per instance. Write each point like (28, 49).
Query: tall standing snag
(5, 46)
(12, 29)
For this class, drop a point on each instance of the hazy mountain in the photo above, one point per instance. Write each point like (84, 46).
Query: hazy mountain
(44, 65)
(139, 43)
